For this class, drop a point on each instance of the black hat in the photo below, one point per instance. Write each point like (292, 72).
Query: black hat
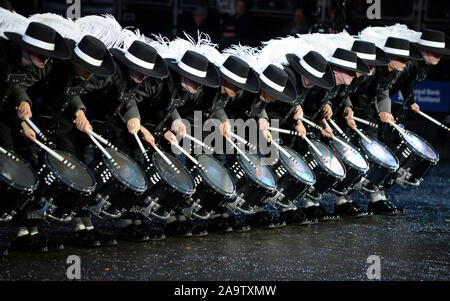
(197, 68)
(370, 54)
(314, 67)
(348, 60)
(275, 81)
(143, 58)
(91, 55)
(434, 41)
(42, 39)
(237, 72)
(401, 48)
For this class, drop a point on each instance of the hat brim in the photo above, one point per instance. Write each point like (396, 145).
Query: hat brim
(107, 67)
(382, 59)
(159, 70)
(287, 95)
(251, 85)
(361, 67)
(414, 53)
(326, 81)
(62, 49)
(442, 51)
(212, 78)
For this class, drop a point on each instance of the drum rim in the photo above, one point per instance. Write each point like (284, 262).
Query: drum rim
(220, 190)
(304, 181)
(119, 178)
(378, 161)
(259, 182)
(67, 182)
(345, 160)
(335, 175)
(14, 184)
(419, 153)
(189, 193)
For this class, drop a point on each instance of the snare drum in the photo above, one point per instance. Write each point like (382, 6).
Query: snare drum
(327, 167)
(382, 162)
(168, 188)
(253, 185)
(294, 178)
(355, 165)
(18, 182)
(63, 190)
(119, 185)
(416, 157)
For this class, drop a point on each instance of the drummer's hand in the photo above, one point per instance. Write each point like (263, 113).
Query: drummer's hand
(81, 121)
(170, 137)
(300, 128)
(147, 136)
(348, 113)
(24, 110)
(351, 123)
(298, 112)
(415, 108)
(28, 132)
(263, 124)
(385, 117)
(327, 131)
(178, 127)
(225, 129)
(133, 125)
(267, 135)
(327, 112)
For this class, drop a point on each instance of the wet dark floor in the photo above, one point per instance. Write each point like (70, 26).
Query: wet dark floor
(411, 247)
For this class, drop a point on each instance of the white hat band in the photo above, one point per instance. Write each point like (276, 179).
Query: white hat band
(366, 56)
(139, 62)
(310, 69)
(239, 79)
(38, 43)
(343, 63)
(432, 43)
(270, 83)
(191, 70)
(88, 59)
(396, 51)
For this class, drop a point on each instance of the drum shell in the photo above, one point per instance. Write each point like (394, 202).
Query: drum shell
(288, 185)
(12, 200)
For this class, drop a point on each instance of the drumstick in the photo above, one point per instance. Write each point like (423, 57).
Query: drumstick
(101, 139)
(340, 131)
(166, 159)
(314, 147)
(281, 149)
(434, 120)
(240, 152)
(195, 140)
(374, 125)
(105, 152)
(36, 129)
(397, 127)
(4, 151)
(363, 136)
(314, 125)
(239, 138)
(54, 154)
(190, 157)
(284, 131)
(139, 142)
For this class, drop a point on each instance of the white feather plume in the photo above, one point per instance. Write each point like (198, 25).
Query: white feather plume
(275, 50)
(160, 43)
(402, 31)
(379, 35)
(104, 27)
(64, 26)
(321, 43)
(129, 36)
(341, 40)
(12, 22)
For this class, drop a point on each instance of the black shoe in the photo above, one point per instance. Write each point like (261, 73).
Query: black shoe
(298, 218)
(384, 207)
(178, 229)
(29, 243)
(153, 234)
(105, 240)
(133, 233)
(219, 225)
(350, 209)
(239, 225)
(3, 251)
(198, 230)
(54, 245)
(84, 239)
(261, 220)
(320, 213)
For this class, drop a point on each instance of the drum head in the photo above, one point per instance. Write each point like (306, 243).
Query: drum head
(17, 174)
(329, 161)
(128, 173)
(216, 175)
(298, 168)
(350, 155)
(261, 175)
(181, 181)
(80, 178)
(420, 146)
(379, 153)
